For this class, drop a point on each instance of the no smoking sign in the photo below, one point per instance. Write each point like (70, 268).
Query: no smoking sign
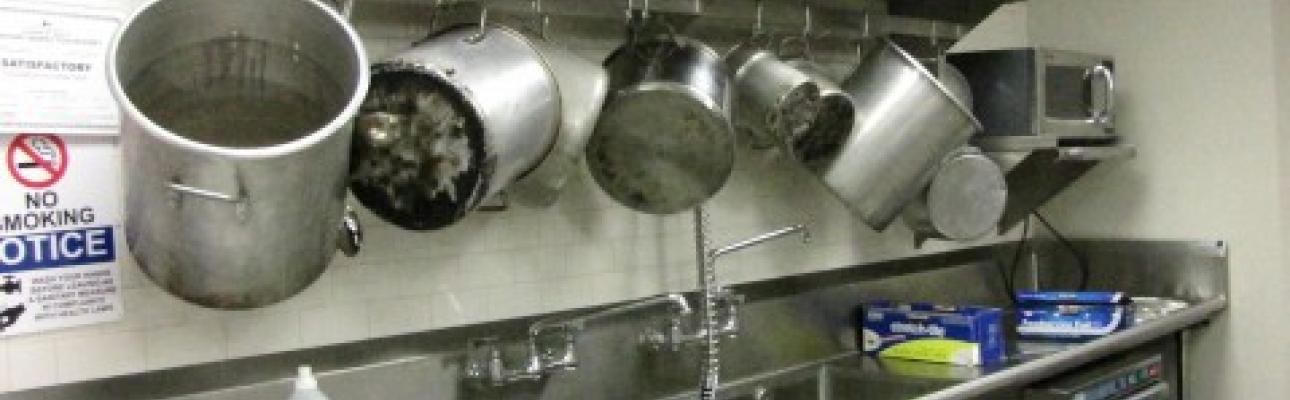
(36, 161)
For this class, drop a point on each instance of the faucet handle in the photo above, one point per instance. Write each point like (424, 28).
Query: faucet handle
(729, 325)
(566, 357)
(484, 360)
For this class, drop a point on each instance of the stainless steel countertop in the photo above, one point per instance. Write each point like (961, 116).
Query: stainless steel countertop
(1034, 362)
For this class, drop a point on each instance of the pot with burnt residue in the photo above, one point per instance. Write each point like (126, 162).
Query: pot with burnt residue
(832, 124)
(773, 100)
(451, 122)
(664, 142)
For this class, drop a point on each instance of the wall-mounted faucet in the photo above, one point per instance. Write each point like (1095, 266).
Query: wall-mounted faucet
(672, 335)
(551, 345)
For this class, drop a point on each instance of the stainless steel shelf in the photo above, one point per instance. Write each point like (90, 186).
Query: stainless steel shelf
(1038, 168)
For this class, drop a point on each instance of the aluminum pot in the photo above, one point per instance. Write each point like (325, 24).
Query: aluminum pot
(773, 100)
(583, 87)
(833, 123)
(964, 201)
(664, 142)
(235, 135)
(906, 123)
(451, 122)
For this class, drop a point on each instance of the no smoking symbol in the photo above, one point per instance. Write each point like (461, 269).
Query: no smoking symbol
(37, 161)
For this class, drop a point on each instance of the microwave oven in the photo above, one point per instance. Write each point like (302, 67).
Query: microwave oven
(1045, 94)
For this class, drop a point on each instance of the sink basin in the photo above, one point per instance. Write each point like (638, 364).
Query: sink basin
(844, 379)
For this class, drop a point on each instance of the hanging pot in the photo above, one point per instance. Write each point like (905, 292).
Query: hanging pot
(906, 123)
(583, 86)
(451, 122)
(235, 136)
(664, 143)
(964, 201)
(773, 100)
(833, 123)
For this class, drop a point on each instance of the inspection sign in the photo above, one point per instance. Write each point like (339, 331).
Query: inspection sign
(60, 208)
(53, 68)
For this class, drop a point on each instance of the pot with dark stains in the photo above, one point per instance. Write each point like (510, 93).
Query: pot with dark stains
(451, 122)
(664, 142)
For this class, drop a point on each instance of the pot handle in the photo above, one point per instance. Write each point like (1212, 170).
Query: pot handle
(1104, 115)
(351, 233)
(238, 200)
(182, 189)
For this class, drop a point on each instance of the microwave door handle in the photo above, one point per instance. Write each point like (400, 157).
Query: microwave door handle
(1104, 115)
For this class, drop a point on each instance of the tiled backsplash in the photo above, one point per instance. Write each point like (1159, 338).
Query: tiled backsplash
(585, 250)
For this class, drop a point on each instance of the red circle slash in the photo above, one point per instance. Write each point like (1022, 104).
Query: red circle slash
(32, 155)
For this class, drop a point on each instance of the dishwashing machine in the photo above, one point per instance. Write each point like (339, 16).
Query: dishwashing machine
(1148, 372)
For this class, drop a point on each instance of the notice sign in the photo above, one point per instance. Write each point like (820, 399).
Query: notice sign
(59, 218)
(53, 75)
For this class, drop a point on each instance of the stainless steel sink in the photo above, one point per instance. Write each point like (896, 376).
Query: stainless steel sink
(834, 383)
(843, 377)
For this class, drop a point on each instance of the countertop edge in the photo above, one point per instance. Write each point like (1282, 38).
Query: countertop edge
(1063, 361)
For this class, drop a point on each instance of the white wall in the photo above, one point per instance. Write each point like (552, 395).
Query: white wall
(1281, 64)
(586, 250)
(1199, 97)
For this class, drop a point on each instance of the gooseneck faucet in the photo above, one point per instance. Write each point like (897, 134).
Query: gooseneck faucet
(711, 292)
(550, 344)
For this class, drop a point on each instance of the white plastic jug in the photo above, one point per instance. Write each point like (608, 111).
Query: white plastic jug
(307, 386)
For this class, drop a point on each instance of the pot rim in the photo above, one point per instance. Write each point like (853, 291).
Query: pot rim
(909, 60)
(333, 127)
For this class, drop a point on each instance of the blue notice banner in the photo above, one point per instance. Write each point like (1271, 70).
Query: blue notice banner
(56, 249)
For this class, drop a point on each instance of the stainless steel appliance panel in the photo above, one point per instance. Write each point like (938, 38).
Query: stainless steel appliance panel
(1146, 372)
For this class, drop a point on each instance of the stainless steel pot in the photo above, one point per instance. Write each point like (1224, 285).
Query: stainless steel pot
(833, 123)
(773, 100)
(583, 87)
(451, 122)
(906, 123)
(964, 201)
(664, 142)
(235, 134)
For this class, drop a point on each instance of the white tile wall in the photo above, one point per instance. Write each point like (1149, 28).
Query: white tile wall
(585, 250)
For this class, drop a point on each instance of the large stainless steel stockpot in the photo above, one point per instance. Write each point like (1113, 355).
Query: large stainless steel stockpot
(451, 122)
(235, 134)
(583, 86)
(906, 123)
(773, 100)
(664, 142)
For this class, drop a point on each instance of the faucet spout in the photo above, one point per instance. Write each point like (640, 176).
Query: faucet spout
(762, 238)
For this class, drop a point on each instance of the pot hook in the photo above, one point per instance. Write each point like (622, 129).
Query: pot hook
(541, 20)
(803, 41)
(483, 27)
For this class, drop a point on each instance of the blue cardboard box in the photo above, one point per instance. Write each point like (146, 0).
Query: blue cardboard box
(1071, 316)
(962, 335)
